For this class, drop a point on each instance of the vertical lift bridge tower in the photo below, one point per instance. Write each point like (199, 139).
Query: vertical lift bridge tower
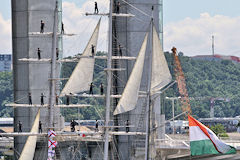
(129, 33)
(33, 77)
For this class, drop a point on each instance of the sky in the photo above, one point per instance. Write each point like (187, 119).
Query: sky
(188, 25)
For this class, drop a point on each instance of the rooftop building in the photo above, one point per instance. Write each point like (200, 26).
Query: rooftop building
(217, 57)
(5, 62)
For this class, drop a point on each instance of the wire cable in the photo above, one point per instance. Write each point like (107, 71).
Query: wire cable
(137, 9)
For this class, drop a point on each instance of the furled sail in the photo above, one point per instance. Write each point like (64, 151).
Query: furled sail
(82, 75)
(160, 72)
(129, 97)
(30, 145)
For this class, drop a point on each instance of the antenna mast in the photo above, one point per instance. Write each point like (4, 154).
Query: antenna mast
(213, 45)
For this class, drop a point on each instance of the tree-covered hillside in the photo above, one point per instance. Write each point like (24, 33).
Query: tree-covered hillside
(6, 93)
(205, 79)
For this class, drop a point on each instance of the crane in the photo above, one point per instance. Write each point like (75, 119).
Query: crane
(212, 101)
(181, 83)
(183, 89)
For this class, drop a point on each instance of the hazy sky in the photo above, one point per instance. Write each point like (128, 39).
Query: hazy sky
(188, 25)
(175, 10)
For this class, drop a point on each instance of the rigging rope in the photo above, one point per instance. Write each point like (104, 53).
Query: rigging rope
(21, 99)
(137, 9)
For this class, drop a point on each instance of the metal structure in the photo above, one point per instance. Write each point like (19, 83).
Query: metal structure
(181, 82)
(212, 103)
(213, 52)
(173, 110)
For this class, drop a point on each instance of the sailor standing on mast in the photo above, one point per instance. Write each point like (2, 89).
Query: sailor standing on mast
(127, 126)
(42, 27)
(67, 99)
(19, 126)
(40, 127)
(118, 7)
(56, 99)
(39, 53)
(96, 8)
(62, 31)
(29, 98)
(42, 99)
(91, 89)
(93, 50)
(101, 88)
(96, 127)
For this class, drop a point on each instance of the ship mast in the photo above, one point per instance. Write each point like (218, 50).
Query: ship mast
(53, 67)
(109, 83)
(149, 116)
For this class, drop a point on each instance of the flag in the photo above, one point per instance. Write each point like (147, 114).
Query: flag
(82, 135)
(204, 141)
(51, 134)
(51, 144)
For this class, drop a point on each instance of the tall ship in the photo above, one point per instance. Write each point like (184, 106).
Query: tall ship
(133, 123)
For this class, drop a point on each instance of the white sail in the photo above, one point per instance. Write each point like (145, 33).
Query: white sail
(30, 145)
(160, 72)
(82, 75)
(129, 97)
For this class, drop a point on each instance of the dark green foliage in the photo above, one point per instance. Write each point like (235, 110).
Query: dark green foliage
(208, 79)
(219, 130)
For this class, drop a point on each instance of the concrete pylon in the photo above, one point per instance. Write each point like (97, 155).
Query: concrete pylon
(129, 33)
(32, 77)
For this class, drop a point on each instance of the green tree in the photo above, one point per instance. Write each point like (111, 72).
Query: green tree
(6, 92)
(219, 130)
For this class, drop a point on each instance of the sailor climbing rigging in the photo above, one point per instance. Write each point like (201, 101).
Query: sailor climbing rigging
(120, 50)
